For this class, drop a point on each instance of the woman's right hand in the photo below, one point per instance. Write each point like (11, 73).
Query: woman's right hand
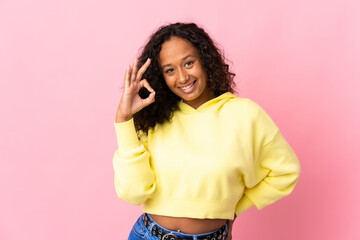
(131, 102)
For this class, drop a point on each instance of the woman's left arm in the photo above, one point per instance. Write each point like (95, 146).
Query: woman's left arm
(276, 167)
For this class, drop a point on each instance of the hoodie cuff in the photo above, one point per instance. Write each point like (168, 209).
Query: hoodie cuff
(126, 135)
(244, 204)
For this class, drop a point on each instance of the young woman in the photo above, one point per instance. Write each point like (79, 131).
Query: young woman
(193, 153)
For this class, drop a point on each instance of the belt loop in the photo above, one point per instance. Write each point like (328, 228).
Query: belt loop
(195, 237)
(151, 228)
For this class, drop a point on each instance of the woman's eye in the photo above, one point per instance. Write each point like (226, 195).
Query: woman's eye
(189, 63)
(169, 70)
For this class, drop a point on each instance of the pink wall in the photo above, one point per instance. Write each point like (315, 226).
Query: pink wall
(61, 69)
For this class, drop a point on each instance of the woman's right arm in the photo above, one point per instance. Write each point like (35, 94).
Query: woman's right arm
(133, 177)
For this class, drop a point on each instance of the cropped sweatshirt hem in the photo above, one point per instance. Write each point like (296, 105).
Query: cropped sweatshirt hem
(211, 162)
(170, 207)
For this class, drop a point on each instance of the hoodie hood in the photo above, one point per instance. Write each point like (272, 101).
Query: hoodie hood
(216, 102)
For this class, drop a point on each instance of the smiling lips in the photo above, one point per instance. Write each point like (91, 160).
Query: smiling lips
(188, 88)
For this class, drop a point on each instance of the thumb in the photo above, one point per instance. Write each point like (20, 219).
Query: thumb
(150, 99)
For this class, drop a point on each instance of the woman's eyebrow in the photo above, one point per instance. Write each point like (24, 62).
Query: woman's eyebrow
(190, 55)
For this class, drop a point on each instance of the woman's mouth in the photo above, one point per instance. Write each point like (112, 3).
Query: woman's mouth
(188, 88)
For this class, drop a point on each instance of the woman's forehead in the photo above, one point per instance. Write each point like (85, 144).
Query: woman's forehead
(176, 49)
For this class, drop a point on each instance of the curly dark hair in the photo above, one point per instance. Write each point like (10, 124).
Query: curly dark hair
(166, 102)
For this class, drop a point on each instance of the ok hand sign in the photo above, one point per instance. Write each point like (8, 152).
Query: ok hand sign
(131, 102)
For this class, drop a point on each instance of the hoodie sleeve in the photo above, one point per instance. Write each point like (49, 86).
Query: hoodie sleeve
(274, 168)
(133, 176)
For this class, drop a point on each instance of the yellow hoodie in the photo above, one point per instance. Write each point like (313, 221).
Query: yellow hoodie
(211, 162)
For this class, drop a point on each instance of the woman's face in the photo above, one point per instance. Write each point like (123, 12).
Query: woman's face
(183, 71)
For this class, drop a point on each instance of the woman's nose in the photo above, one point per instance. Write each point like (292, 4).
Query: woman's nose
(183, 77)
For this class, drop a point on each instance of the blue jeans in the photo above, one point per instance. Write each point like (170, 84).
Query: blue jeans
(140, 232)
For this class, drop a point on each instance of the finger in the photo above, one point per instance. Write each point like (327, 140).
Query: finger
(150, 99)
(145, 83)
(143, 69)
(133, 70)
(127, 77)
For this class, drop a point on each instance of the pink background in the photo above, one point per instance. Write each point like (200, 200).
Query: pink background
(61, 69)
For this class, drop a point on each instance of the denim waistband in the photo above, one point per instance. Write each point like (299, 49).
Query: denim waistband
(219, 234)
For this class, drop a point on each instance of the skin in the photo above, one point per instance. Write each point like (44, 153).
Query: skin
(181, 67)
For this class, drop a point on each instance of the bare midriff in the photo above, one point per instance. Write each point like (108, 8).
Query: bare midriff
(188, 225)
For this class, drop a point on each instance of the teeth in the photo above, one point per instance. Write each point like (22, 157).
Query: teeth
(184, 88)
